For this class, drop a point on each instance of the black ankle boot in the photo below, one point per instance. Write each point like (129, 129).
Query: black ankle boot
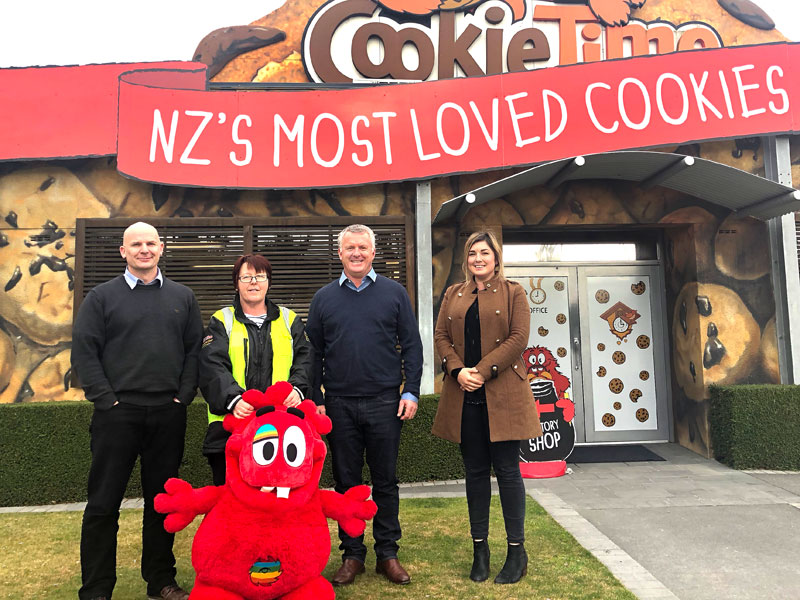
(480, 562)
(516, 565)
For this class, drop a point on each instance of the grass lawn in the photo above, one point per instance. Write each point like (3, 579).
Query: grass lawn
(40, 558)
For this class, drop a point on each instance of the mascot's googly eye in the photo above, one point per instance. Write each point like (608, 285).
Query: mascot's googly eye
(265, 444)
(294, 446)
(532, 359)
(540, 359)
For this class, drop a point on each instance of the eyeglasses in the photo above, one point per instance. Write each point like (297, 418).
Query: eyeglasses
(260, 278)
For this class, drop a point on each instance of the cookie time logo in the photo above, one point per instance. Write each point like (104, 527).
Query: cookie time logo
(423, 40)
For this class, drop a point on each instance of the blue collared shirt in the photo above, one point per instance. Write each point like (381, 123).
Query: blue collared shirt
(368, 279)
(133, 281)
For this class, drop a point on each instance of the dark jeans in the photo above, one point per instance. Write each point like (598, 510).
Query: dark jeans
(119, 435)
(480, 455)
(371, 424)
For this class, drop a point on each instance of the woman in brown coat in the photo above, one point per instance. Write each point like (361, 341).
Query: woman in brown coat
(486, 404)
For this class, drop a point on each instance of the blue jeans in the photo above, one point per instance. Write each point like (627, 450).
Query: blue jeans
(368, 424)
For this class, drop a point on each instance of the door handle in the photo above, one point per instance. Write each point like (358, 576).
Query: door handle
(576, 342)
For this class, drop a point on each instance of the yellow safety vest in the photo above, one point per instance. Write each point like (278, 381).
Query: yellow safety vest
(280, 335)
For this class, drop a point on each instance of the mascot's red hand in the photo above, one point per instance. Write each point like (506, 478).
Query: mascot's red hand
(350, 509)
(182, 504)
(568, 407)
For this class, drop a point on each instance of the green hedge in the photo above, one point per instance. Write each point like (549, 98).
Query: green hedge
(756, 426)
(44, 452)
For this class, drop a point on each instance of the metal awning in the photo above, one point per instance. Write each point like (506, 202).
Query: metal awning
(708, 180)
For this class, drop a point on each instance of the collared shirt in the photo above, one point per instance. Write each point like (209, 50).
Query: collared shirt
(133, 281)
(368, 278)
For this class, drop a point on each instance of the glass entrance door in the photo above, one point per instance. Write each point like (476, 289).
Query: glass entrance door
(598, 333)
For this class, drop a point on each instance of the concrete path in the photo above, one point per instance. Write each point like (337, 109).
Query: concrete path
(685, 528)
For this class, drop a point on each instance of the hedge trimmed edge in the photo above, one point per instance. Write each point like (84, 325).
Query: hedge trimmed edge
(45, 457)
(756, 426)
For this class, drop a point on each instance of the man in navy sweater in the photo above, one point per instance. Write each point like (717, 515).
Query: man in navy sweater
(355, 324)
(135, 347)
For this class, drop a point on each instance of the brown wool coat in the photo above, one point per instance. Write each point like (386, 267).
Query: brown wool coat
(505, 324)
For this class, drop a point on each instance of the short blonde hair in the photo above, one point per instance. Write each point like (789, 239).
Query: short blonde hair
(494, 245)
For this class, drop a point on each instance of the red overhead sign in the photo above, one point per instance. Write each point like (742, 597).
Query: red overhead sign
(172, 130)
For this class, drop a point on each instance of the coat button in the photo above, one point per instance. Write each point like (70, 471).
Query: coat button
(488, 285)
(460, 294)
(449, 318)
(515, 366)
(495, 290)
(497, 341)
(497, 312)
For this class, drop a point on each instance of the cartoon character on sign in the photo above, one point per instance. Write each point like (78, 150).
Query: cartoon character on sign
(545, 456)
(265, 533)
(608, 12)
(621, 319)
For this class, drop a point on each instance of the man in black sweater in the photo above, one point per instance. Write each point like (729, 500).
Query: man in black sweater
(355, 325)
(135, 346)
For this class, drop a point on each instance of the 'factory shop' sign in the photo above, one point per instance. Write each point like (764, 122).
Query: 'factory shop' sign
(171, 130)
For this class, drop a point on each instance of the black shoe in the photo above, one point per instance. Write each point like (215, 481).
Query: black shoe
(516, 565)
(480, 561)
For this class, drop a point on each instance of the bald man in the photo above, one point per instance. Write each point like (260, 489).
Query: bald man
(135, 347)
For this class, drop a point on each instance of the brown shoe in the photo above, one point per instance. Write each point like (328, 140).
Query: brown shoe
(171, 592)
(393, 571)
(347, 572)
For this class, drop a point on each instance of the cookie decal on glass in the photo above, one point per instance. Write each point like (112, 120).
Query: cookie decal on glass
(617, 405)
(562, 352)
(644, 375)
(602, 296)
(635, 394)
(559, 286)
(638, 288)
(561, 318)
(616, 385)
(643, 342)
(642, 415)
(618, 357)
(601, 346)
(601, 372)
(609, 420)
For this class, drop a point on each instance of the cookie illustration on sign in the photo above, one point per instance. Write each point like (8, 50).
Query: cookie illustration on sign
(601, 372)
(559, 286)
(608, 420)
(618, 357)
(616, 385)
(602, 296)
(642, 415)
(635, 394)
(561, 318)
(638, 288)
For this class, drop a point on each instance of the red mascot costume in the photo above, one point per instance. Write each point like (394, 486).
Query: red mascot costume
(265, 533)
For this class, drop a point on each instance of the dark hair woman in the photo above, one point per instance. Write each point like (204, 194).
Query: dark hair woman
(249, 345)
(486, 404)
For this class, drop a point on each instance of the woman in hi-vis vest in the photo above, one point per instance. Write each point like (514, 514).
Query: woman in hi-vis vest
(249, 345)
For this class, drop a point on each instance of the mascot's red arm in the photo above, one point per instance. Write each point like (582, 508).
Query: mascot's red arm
(182, 504)
(350, 509)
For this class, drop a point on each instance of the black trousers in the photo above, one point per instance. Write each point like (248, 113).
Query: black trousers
(368, 424)
(118, 436)
(480, 456)
(217, 463)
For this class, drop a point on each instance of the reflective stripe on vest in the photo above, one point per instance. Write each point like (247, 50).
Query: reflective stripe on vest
(280, 335)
